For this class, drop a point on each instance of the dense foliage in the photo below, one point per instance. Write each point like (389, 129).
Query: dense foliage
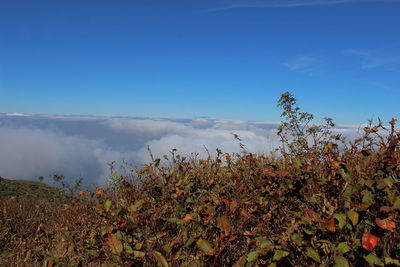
(321, 202)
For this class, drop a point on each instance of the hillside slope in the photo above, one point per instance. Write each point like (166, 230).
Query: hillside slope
(30, 188)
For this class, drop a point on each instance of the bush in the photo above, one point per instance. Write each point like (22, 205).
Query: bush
(314, 206)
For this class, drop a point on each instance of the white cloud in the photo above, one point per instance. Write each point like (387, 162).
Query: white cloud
(303, 64)
(371, 60)
(30, 153)
(16, 114)
(300, 63)
(200, 120)
(39, 146)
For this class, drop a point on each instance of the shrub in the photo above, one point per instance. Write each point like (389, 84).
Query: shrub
(314, 206)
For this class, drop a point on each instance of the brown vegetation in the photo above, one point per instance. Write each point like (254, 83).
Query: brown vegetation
(324, 202)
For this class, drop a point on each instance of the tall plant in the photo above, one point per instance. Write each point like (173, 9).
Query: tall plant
(299, 135)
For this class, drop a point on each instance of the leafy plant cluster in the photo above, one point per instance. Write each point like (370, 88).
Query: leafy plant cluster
(317, 205)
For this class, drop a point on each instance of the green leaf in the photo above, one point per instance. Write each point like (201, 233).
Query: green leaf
(280, 254)
(313, 255)
(353, 216)
(389, 182)
(132, 219)
(390, 261)
(205, 246)
(343, 248)
(380, 172)
(368, 198)
(341, 219)
(128, 249)
(160, 258)
(345, 175)
(139, 254)
(373, 260)
(297, 239)
(175, 220)
(341, 261)
(91, 252)
(107, 205)
(266, 244)
(136, 207)
(194, 263)
(262, 242)
(252, 256)
(370, 184)
(273, 264)
(396, 204)
(348, 192)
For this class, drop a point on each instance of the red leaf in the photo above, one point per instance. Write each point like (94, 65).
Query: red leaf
(245, 214)
(385, 224)
(232, 238)
(233, 206)
(329, 224)
(369, 241)
(267, 171)
(225, 201)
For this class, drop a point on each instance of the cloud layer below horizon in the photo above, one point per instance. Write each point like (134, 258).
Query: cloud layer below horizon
(78, 146)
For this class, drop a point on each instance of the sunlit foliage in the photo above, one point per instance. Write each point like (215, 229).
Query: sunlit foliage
(311, 205)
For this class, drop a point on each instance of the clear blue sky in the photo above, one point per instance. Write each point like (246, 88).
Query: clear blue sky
(222, 59)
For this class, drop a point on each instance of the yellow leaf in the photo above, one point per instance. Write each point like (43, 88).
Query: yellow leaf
(139, 254)
(280, 254)
(160, 258)
(136, 207)
(115, 244)
(353, 216)
(107, 205)
(224, 224)
(205, 246)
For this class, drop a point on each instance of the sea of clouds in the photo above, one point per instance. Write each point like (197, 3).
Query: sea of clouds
(81, 146)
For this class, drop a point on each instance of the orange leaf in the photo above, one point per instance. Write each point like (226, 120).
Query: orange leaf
(393, 121)
(385, 224)
(369, 241)
(241, 262)
(187, 218)
(99, 191)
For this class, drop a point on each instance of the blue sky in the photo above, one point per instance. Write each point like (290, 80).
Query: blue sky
(220, 59)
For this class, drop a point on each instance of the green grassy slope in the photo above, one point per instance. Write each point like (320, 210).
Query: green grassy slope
(30, 188)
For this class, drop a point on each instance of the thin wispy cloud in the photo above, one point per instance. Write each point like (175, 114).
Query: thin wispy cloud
(291, 3)
(303, 64)
(371, 60)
